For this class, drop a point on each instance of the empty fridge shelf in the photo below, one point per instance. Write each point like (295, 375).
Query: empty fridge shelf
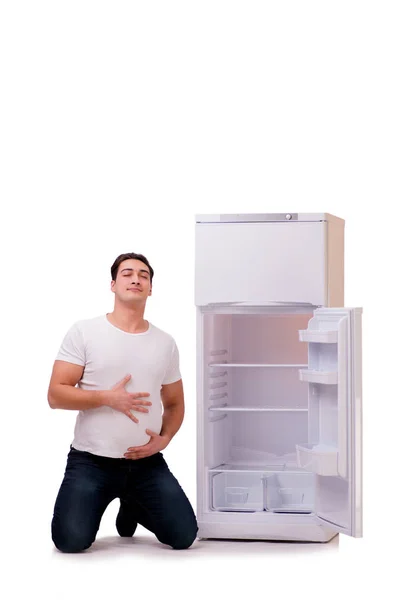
(318, 458)
(321, 337)
(314, 376)
(264, 467)
(254, 409)
(273, 365)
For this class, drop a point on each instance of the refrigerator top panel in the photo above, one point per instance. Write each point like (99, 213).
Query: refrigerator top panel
(267, 217)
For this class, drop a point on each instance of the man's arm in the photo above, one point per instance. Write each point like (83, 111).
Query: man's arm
(62, 392)
(174, 408)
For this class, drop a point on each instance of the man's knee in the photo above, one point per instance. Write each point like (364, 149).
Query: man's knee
(183, 542)
(180, 540)
(68, 540)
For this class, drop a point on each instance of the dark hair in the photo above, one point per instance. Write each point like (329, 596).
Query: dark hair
(122, 257)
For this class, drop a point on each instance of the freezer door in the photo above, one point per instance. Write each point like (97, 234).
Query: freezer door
(254, 262)
(334, 448)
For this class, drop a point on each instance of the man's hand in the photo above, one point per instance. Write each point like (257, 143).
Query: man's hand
(155, 444)
(123, 401)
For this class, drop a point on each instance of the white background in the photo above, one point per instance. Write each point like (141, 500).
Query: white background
(119, 122)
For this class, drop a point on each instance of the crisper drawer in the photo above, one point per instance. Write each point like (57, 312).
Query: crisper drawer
(289, 492)
(255, 262)
(237, 491)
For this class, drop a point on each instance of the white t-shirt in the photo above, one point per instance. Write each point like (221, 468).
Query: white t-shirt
(108, 354)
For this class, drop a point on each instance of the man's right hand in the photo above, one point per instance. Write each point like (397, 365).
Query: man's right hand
(123, 401)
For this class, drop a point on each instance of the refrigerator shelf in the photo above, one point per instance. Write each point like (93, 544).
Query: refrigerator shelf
(211, 364)
(255, 408)
(318, 458)
(314, 376)
(263, 468)
(321, 337)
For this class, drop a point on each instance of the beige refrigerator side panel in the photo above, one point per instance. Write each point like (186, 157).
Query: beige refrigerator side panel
(335, 263)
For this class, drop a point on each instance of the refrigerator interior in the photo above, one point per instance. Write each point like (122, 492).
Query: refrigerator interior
(268, 434)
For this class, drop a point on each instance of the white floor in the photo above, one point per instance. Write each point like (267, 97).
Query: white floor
(141, 568)
(146, 545)
(118, 568)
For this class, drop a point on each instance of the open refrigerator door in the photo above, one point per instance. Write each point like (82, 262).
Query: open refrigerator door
(333, 451)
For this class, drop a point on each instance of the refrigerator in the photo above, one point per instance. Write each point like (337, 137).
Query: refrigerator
(279, 379)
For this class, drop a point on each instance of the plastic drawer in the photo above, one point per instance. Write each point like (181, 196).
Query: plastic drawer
(289, 492)
(237, 491)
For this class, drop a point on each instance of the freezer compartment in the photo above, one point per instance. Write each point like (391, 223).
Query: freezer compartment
(283, 262)
(289, 492)
(318, 458)
(237, 491)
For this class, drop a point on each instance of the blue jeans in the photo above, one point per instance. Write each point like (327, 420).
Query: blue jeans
(149, 489)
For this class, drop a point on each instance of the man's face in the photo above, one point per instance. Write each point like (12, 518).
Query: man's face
(132, 283)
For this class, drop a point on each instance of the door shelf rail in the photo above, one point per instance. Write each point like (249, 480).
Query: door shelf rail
(218, 352)
(218, 418)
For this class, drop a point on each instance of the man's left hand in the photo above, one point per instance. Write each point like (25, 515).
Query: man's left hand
(155, 444)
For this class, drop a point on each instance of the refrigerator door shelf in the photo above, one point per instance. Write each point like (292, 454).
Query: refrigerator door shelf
(318, 458)
(321, 337)
(314, 376)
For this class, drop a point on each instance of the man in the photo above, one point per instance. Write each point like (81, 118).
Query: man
(126, 369)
